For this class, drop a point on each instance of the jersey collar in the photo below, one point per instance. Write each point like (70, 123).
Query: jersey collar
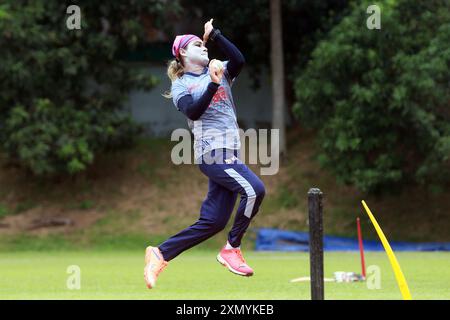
(205, 69)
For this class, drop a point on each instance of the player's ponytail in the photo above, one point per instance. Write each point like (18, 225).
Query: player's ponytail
(175, 70)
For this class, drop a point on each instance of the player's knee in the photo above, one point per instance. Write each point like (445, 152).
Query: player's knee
(257, 196)
(260, 190)
(217, 225)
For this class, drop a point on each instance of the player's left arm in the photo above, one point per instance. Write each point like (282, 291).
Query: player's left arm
(235, 57)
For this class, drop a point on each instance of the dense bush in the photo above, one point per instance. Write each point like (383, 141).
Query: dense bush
(62, 90)
(62, 139)
(380, 98)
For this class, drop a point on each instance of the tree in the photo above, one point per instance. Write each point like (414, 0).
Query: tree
(380, 98)
(62, 90)
(279, 101)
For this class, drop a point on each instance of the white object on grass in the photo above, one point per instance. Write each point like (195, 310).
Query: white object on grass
(304, 279)
(342, 276)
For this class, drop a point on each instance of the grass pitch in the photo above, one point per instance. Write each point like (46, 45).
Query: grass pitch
(197, 275)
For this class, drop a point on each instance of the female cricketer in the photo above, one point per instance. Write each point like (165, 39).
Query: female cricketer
(201, 90)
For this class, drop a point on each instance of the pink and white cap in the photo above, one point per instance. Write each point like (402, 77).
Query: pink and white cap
(181, 42)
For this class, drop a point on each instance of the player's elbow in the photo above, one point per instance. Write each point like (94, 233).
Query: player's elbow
(192, 114)
(187, 106)
(194, 117)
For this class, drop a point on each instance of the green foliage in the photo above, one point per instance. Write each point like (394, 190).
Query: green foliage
(86, 204)
(380, 98)
(24, 206)
(286, 198)
(3, 210)
(49, 139)
(62, 90)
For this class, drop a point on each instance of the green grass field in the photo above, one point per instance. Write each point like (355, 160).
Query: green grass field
(197, 275)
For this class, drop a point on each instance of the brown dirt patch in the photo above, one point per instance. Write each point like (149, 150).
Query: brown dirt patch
(32, 221)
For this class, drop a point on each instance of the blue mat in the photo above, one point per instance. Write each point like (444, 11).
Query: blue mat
(282, 240)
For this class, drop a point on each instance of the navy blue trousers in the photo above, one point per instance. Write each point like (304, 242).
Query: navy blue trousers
(227, 179)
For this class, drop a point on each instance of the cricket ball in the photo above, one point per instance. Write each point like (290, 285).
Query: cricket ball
(217, 64)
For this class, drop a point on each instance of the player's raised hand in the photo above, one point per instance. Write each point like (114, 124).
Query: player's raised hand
(208, 29)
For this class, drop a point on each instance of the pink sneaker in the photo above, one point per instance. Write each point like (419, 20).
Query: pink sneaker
(233, 260)
(154, 265)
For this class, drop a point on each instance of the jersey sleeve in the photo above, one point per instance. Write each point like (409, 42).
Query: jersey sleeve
(178, 91)
(227, 75)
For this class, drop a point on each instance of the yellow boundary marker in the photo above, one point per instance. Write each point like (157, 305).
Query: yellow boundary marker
(401, 281)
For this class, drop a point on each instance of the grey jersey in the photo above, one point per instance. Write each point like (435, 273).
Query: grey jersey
(217, 127)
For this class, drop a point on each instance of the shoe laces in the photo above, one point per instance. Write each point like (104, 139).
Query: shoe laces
(239, 255)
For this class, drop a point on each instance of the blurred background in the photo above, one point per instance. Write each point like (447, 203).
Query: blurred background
(85, 131)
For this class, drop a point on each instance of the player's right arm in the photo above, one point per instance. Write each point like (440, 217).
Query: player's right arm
(185, 103)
